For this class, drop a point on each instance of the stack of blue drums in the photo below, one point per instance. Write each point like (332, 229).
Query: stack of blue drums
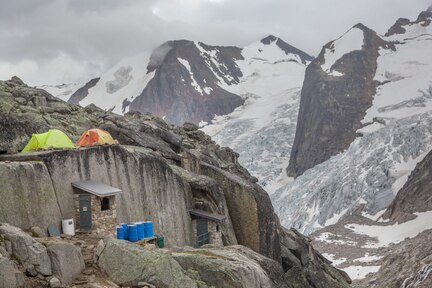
(140, 227)
(148, 229)
(136, 231)
(132, 233)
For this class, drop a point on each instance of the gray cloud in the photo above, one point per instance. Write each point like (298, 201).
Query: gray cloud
(53, 41)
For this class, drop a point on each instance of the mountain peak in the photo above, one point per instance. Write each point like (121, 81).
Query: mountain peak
(398, 27)
(269, 39)
(287, 48)
(425, 15)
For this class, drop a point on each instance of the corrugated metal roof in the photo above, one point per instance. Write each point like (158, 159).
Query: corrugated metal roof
(96, 188)
(207, 215)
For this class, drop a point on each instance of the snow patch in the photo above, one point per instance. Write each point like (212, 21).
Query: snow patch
(194, 83)
(63, 91)
(336, 217)
(360, 272)
(368, 258)
(335, 261)
(350, 41)
(324, 237)
(396, 233)
(137, 79)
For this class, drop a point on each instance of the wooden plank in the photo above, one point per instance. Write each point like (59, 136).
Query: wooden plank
(144, 241)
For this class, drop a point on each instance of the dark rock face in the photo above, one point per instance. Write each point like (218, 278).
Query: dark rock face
(82, 92)
(411, 259)
(331, 107)
(172, 93)
(288, 49)
(397, 28)
(415, 195)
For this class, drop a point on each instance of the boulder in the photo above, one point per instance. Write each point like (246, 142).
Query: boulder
(55, 283)
(9, 274)
(38, 232)
(32, 255)
(66, 260)
(233, 266)
(128, 264)
(305, 266)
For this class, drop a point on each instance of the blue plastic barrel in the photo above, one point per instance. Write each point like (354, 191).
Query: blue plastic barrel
(148, 229)
(120, 233)
(140, 228)
(133, 233)
(125, 230)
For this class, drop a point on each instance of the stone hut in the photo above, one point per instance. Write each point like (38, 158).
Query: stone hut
(95, 207)
(206, 227)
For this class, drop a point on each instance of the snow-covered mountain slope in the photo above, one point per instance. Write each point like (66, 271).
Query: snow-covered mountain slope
(62, 91)
(262, 130)
(338, 89)
(181, 81)
(186, 81)
(120, 84)
(395, 135)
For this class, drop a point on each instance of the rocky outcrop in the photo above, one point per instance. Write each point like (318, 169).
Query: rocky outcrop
(334, 103)
(162, 170)
(288, 49)
(28, 197)
(30, 253)
(398, 27)
(412, 259)
(82, 92)
(128, 264)
(415, 196)
(9, 274)
(233, 266)
(42, 260)
(305, 265)
(66, 261)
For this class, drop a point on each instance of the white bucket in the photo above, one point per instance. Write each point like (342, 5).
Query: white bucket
(68, 227)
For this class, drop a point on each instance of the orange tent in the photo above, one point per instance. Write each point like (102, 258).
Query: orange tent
(95, 137)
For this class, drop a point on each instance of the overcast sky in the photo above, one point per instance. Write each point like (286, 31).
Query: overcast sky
(63, 41)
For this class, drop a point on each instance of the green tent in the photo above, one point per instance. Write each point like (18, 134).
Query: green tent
(52, 139)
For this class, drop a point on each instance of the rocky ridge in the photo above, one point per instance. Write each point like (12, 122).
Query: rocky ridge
(334, 102)
(391, 138)
(183, 81)
(179, 164)
(415, 196)
(185, 87)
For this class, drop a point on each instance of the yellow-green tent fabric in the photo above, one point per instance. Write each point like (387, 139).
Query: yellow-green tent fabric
(52, 139)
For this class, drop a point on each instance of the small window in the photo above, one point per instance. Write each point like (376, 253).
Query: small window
(105, 204)
(217, 228)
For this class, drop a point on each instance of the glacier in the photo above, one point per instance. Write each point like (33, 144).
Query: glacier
(396, 135)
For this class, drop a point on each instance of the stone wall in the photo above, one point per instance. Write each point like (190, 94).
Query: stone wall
(103, 222)
(215, 232)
